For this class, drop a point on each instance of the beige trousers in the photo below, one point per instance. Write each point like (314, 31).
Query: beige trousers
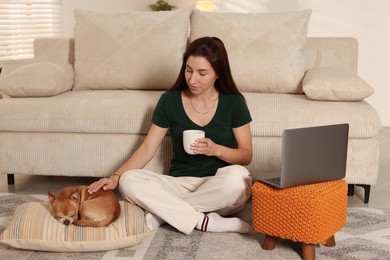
(180, 201)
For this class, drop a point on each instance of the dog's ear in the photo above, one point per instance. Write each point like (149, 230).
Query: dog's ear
(75, 195)
(51, 197)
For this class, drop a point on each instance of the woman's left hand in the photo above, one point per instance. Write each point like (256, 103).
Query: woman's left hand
(205, 146)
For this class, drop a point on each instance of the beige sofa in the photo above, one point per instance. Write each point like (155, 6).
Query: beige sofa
(87, 121)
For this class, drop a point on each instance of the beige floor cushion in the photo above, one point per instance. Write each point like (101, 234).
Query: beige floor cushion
(33, 227)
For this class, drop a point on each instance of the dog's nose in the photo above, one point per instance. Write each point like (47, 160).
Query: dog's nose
(66, 222)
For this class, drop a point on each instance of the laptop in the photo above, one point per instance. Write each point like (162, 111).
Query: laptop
(311, 155)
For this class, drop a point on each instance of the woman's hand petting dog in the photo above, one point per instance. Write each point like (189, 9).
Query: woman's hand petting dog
(104, 183)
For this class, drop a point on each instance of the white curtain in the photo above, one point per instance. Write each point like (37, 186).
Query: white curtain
(22, 21)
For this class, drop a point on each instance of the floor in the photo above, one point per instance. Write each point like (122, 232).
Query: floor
(378, 198)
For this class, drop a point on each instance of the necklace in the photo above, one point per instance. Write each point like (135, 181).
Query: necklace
(203, 113)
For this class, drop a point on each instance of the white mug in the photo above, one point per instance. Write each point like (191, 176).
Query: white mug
(189, 137)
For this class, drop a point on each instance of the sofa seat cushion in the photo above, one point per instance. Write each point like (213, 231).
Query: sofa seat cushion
(92, 111)
(130, 112)
(272, 113)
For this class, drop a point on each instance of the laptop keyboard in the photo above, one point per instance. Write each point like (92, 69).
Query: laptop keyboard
(274, 180)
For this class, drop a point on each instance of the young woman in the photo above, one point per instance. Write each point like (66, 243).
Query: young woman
(201, 189)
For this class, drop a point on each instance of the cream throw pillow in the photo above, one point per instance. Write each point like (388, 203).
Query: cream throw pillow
(40, 79)
(135, 50)
(33, 227)
(334, 84)
(266, 50)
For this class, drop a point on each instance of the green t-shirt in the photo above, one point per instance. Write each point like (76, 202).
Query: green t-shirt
(232, 112)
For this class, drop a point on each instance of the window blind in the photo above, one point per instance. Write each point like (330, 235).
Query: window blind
(22, 21)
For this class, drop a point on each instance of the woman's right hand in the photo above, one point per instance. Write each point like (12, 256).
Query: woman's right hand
(104, 183)
(138, 160)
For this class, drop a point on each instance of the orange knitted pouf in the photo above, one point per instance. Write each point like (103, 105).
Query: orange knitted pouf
(310, 214)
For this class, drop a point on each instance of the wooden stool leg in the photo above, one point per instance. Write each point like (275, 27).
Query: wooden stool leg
(269, 242)
(330, 242)
(308, 252)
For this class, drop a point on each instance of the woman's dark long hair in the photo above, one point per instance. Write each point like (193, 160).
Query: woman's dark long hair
(212, 49)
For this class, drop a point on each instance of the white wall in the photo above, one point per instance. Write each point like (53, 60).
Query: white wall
(368, 21)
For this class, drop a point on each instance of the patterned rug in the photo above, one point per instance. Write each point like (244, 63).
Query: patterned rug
(366, 236)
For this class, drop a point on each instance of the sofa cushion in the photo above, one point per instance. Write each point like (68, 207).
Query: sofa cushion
(93, 111)
(266, 50)
(272, 113)
(33, 227)
(38, 79)
(334, 84)
(130, 111)
(135, 50)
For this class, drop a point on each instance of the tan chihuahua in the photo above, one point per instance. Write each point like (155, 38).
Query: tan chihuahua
(75, 205)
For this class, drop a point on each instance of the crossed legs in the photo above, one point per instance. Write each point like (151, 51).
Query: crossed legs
(182, 201)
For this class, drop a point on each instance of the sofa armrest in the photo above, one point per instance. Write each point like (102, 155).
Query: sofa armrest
(56, 50)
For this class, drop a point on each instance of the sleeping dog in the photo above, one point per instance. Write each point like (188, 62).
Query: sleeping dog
(74, 205)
